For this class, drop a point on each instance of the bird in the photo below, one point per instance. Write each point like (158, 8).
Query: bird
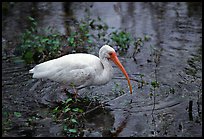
(81, 69)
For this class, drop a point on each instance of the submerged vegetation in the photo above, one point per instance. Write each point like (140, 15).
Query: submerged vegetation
(71, 113)
(68, 113)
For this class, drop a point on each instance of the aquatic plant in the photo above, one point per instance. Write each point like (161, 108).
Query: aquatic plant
(118, 90)
(70, 113)
(80, 39)
(67, 112)
(122, 39)
(138, 43)
(35, 47)
(6, 121)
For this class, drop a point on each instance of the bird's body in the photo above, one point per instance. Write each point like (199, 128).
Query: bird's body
(79, 69)
(74, 69)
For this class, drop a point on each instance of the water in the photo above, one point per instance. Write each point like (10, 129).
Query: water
(172, 57)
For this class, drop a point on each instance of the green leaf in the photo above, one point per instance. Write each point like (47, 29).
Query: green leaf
(89, 41)
(87, 35)
(80, 110)
(71, 40)
(30, 18)
(17, 114)
(34, 23)
(72, 130)
(100, 27)
(146, 38)
(141, 75)
(32, 29)
(28, 56)
(54, 35)
(66, 109)
(68, 100)
(155, 84)
(56, 109)
(74, 120)
(40, 49)
(5, 113)
(172, 90)
(30, 119)
(44, 40)
(65, 128)
(75, 109)
(99, 18)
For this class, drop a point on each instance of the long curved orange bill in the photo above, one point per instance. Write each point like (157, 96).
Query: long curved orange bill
(115, 59)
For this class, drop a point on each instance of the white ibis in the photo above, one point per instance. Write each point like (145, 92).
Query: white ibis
(80, 69)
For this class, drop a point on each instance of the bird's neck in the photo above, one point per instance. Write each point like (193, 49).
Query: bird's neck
(107, 72)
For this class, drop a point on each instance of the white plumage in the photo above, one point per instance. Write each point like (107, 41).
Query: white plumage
(80, 69)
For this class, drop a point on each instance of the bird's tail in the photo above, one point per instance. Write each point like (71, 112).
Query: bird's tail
(31, 71)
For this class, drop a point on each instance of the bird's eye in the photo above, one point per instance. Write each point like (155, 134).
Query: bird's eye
(110, 53)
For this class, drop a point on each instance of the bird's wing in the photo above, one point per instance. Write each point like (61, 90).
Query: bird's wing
(76, 77)
(76, 68)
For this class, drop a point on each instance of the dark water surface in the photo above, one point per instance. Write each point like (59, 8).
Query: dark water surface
(172, 57)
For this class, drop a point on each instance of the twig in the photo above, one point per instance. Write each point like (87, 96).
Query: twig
(190, 110)
(93, 109)
(102, 103)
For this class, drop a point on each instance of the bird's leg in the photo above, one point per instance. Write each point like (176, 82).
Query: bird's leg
(64, 89)
(75, 91)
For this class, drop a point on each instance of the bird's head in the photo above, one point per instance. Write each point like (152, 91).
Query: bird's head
(105, 52)
(108, 52)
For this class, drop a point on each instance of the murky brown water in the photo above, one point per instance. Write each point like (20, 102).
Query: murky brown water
(175, 32)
